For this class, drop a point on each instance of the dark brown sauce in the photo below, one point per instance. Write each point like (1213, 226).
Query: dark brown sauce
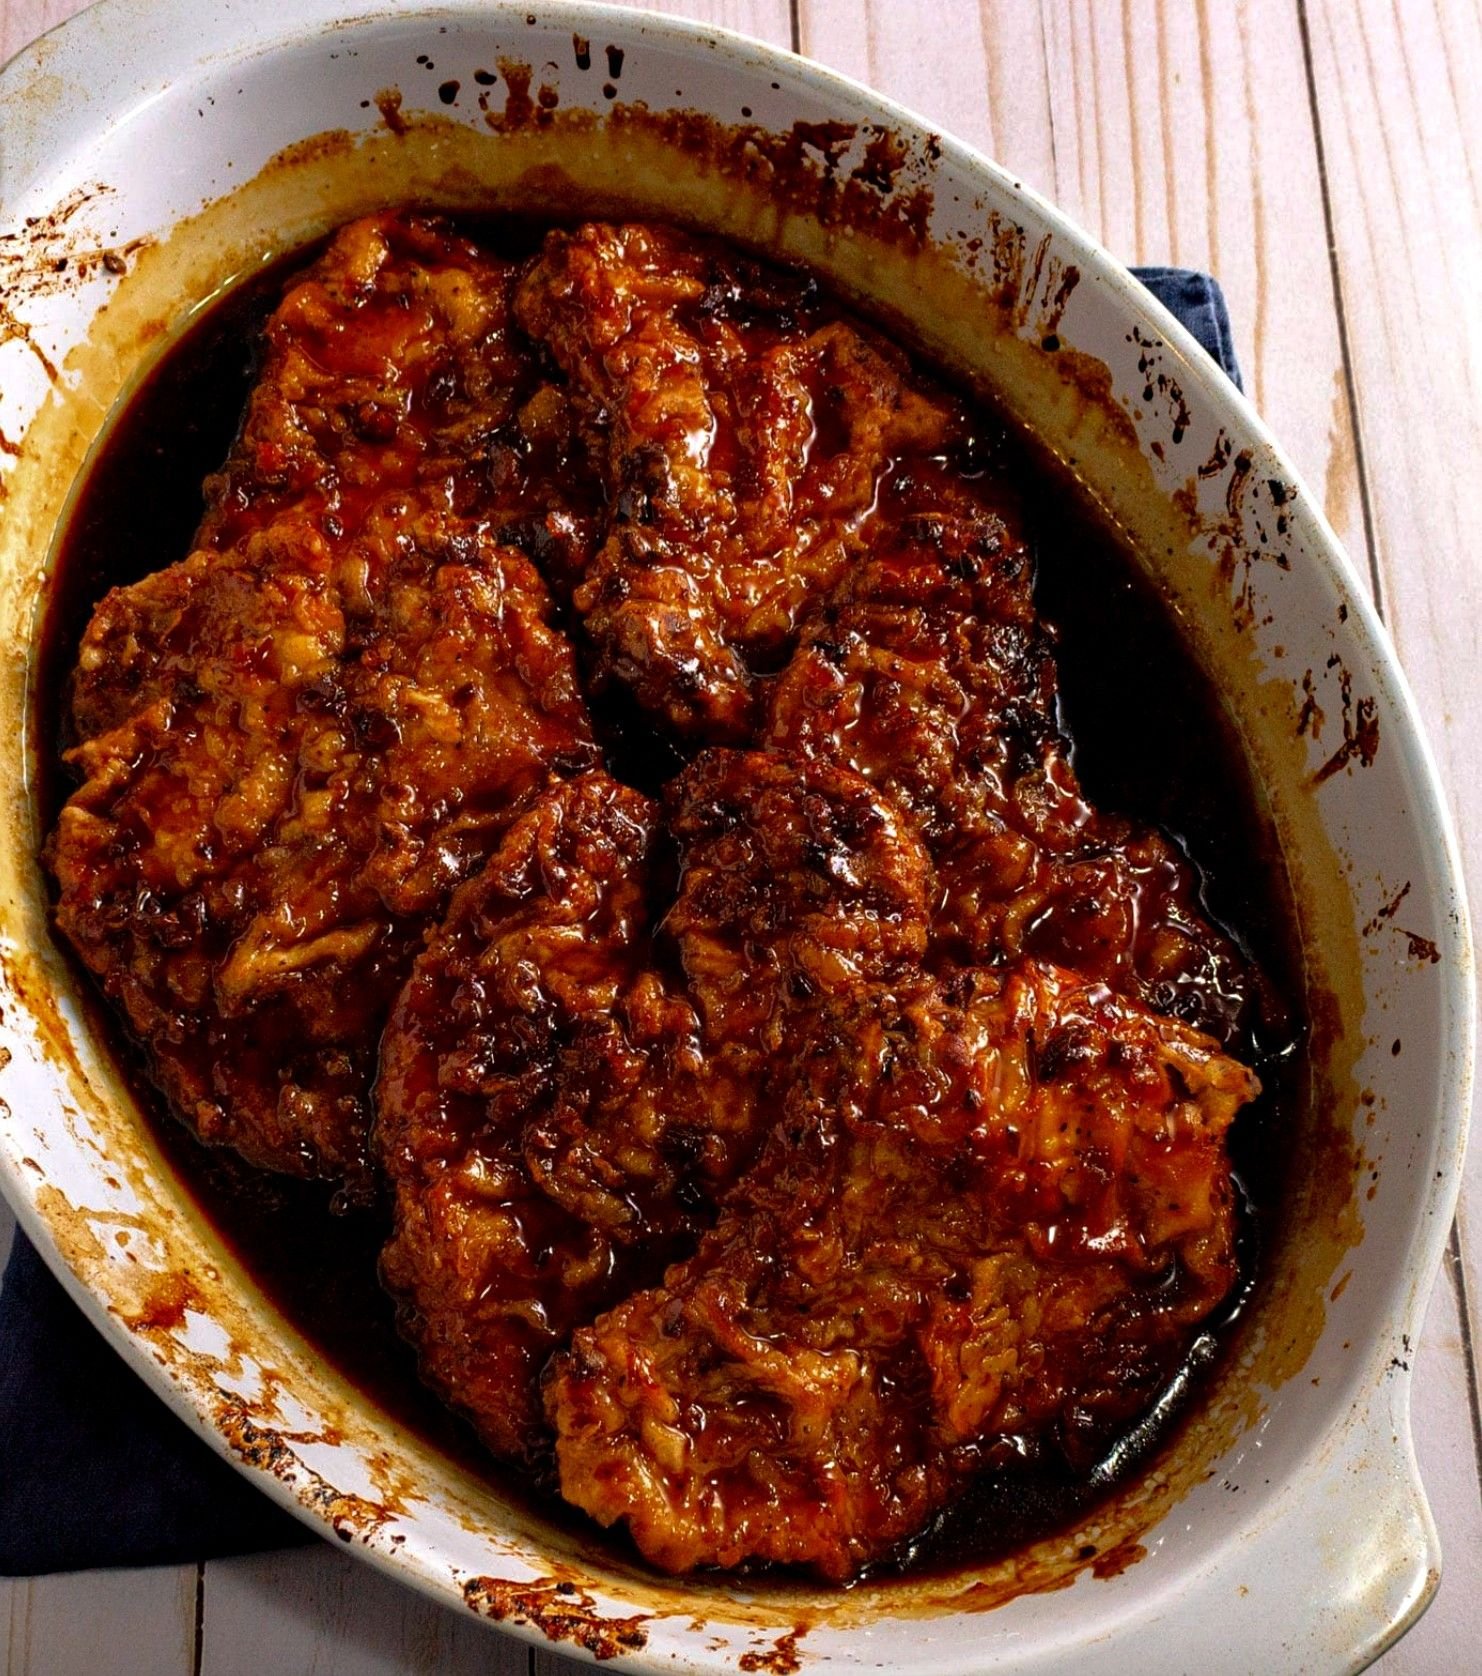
(1163, 752)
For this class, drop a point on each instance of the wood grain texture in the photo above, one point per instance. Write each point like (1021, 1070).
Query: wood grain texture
(320, 1610)
(1398, 90)
(1237, 137)
(122, 1623)
(1446, 1637)
(977, 71)
(767, 20)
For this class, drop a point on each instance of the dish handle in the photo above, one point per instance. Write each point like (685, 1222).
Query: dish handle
(1343, 1561)
(1346, 1561)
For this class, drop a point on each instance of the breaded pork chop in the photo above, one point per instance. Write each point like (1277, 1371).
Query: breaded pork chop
(526, 1022)
(743, 435)
(557, 1116)
(800, 883)
(985, 1220)
(929, 671)
(295, 742)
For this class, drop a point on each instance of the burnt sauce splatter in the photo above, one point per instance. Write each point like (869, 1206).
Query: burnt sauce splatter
(1162, 752)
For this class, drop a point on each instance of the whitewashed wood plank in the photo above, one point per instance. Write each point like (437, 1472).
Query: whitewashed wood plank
(1183, 134)
(100, 1623)
(319, 1612)
(21, 21)
(1399, 96)
(978, 70)
(767, 20)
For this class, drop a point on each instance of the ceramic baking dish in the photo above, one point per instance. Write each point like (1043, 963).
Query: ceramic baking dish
(154, 151)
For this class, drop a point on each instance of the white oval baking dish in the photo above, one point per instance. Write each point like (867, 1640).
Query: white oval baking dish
(182, 142)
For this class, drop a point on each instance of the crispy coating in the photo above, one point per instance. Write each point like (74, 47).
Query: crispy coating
(295, 742)
(983, 1220)
(800, 882)
(745, 439)
(538, 1169)
(929, 671)
(556, 1116)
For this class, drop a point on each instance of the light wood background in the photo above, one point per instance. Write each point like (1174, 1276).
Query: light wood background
(1323, 158)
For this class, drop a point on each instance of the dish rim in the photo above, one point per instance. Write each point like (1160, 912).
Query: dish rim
(288, 30)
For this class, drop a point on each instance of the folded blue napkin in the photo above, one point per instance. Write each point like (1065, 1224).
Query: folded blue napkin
(94, 1469)
(1197, 303)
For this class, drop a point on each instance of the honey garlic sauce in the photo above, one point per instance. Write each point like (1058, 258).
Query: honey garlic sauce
(1150, 741)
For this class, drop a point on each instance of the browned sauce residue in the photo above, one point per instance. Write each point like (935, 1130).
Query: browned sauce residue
(163, 1307)
(265, 1448)
(1310, 717)
(1389, 910)
(1248, 530)
(1422, 948)
(519, 107)
(560, 1610)
(50, 254)
(781, 1659)
(388, 103)
(1115, 1561)
(1360, 732)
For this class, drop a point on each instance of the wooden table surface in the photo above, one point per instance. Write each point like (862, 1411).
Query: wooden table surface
(1323, 158)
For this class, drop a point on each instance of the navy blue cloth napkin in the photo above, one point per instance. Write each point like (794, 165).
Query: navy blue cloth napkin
(94, 1469)
(1197, 303)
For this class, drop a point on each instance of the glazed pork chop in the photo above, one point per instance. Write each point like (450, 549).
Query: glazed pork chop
(771, 1144)
(742, 434)
(928, 670)
(293, 743)
(559, 1110)
(987, 1218)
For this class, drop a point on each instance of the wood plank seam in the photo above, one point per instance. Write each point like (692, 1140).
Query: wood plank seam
(1044, 36)
(1371, 543)
(1211, 178)
(1458, 1276)
(198, 1644)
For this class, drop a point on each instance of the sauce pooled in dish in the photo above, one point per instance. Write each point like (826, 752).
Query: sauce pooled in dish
(597, 787)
